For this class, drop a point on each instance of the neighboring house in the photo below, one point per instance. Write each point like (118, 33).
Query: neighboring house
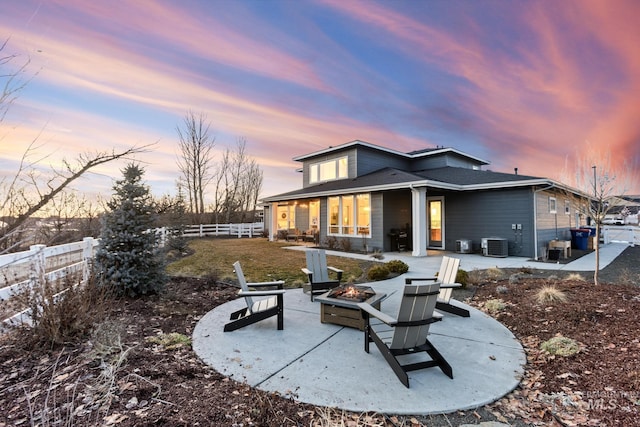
(369, 196)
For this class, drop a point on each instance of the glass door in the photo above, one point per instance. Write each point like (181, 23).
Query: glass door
(435, 219)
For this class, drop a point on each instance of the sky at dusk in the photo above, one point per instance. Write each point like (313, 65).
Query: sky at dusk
(526, 84)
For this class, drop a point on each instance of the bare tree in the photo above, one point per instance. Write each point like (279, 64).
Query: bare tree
(28, 193)
(602, 183)
(12, 80)
(196, 158)
(237, 185)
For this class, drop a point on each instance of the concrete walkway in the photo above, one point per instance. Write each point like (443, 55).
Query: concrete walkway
(325, 365)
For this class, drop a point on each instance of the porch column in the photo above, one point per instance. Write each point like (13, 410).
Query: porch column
(273, 221)
(419, 216)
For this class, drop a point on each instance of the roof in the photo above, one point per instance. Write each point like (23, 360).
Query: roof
(449, 178)
(410, 155)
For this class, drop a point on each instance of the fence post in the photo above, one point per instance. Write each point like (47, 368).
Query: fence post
(87, 258)
(38, 264)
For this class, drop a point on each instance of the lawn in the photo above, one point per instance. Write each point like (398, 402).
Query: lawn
(261, 260)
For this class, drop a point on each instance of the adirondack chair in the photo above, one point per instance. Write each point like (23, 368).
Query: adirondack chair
(257, 310)
(447, 278)
(408, 333)
(318, 272)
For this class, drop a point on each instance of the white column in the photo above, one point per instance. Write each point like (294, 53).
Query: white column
(273, 228)
(419, 215)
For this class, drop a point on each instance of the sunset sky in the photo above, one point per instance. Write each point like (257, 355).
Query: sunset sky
(520, 84)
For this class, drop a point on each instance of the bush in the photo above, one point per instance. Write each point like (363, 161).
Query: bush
(462, 277)
(331, 242)
(397, 266)
(560, 346)
(378, 272)
(64, 310)
(345, 243)
(494, 306)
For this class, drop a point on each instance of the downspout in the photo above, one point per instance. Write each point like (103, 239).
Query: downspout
(535, 219)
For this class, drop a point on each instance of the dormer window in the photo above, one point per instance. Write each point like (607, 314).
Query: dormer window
(329, 170)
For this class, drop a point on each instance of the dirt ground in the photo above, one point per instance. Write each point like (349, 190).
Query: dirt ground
(125, 374)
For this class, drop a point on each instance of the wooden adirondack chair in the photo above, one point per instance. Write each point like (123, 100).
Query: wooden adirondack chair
(257, 310)
(408, 333)
(318, 272)
(447, 278)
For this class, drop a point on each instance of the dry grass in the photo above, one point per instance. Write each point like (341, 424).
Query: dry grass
(574, 277)
(261, 260)
(550, 294)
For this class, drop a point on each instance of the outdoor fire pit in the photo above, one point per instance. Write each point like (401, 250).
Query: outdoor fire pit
(340, 305)
(352, 293)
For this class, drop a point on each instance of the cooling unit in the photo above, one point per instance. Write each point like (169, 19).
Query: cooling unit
(463, 246)
(495, 246)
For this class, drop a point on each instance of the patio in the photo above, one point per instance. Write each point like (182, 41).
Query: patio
(325, 364)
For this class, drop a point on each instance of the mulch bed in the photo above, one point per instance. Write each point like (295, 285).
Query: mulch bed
(139, 380)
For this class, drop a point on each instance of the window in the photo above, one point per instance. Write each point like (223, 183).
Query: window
(350, 215)
(552, 205)
(329, 170)
(286, 217)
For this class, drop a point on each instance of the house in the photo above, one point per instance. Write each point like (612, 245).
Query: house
(367, 197)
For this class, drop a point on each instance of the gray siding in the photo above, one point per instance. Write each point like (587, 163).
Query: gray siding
(475, 215)
(442, 160)
(553, 226)
(370, 161)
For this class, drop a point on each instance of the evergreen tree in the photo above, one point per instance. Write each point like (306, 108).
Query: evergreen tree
(128, 258)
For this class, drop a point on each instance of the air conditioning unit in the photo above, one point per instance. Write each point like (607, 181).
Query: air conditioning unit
(463, 246)
(495, 246)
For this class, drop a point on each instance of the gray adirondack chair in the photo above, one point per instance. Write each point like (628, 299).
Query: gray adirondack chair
(318, 272)
(447, 278)
(257, 309)
(408, 333)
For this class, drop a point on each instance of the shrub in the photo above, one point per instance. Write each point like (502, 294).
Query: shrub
(560, 346)
(462, 277)
(475, 277)
(550, 294)
(494, 273)
(63, 310)
(378, 272)
(397, 266)
(171, 341)
(345, 243)
(574, 276)
(331, 242)
(494, 306)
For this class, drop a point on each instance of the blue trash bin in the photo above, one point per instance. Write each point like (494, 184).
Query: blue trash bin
(580, 238)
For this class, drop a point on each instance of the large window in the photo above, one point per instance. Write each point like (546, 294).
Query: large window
(350, 215)
(329, 170)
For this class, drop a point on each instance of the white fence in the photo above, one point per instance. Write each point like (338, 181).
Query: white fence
(41, 263)
(251, 229)
(621, 233)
